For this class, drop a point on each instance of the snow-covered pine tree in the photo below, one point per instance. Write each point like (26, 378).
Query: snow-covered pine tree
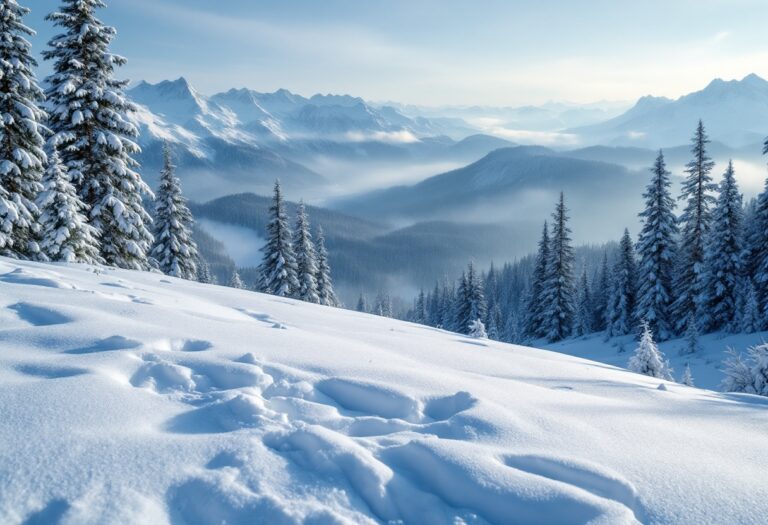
(22, 155)
(306, 259)
(757, 250)
(494, 322)
(420, 309)
(559, 287)
(88, 118)
(648, 359)
(324, 281)
(687, 378)
(656, 248)
(65, 233)
(173, 247)
(204, 272)
(624, 294)
(691, 336)
(278, 271)
(235, 281)
(583, 325)
(383, 305)
(462, 315)
(477, 329)
(750, 376)
(724, 259)
(361, 304)
(600, 295)
(534, 313)
(434, 307)
(695, 224)
(478, 308)
(751, 320)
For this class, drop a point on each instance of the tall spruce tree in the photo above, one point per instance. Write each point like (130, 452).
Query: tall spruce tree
(583, 325)
(235, 281)
(656, 248)
(695, 224)
(361, 304)
(601, 294)
(325, 290)
(306, 259)
(22, 155)
(88, 117)
(278, 271)
(623, 319)
(173, 247)
(757, 250)
(534, 318)
(420, 309)
(558, 296)
(724, 259)
(65, 233)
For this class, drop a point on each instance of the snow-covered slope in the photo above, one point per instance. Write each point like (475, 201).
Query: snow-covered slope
(135, 398)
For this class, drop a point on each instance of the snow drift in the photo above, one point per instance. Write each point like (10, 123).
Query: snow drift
(131, 397)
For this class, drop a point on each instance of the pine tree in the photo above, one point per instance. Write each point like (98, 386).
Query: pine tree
(534, 319)
(691, 336)
(361, 306)
(601, 295)
(383, 305)
(22, 156)
(66, 234)
(478, 308)
(278, 270)
(648, 359)
(656, 247)
(420, 309)
(584, 307)
(173, 248)
(462, 306)
(724, 259)
(89, 120)
(695, 225)
(559, 290)
(306, 260)
(687, 378)
(624, 293)
(204, 272)
(750, 376)
(751, 320)
(324, 281)
(494, 322)
(757, 250)
(235, 281)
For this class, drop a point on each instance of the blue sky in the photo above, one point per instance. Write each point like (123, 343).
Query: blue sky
(434, 52)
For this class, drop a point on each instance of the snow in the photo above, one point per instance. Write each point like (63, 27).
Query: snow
(133, 397)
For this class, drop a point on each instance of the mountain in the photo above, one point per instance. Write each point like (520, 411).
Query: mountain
(133, 397)
(734, 112)
(514, 185)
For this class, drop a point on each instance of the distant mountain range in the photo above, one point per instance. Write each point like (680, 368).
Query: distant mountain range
(735, 112)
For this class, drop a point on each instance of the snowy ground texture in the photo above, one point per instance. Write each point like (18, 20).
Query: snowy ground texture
(135, 398)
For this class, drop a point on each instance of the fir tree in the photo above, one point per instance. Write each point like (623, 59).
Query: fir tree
(278, 271)
(656, 248)
(306, 260)
(462, 306)
(584, 307)
(235, 281)
(89, 120)
(204, 272)
(534, 320)
(494, 322)
(173, 248)
(687, 378)
(420, 309)
(22, 156)
(757, 250)
(66, 234)
(724, 259)
(361, 306)
(325, 291)
(691, 336)
(601, 295)
(624, 294)
(559, 290)
(751, 320)
(695, 225)
(750, 376)
(383, 305)
(648, 359)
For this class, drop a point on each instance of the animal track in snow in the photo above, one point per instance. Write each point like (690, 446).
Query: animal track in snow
(115, 342)
(40, 278)
(50, 371)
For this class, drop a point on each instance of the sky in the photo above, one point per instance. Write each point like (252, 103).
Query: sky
(438, 52)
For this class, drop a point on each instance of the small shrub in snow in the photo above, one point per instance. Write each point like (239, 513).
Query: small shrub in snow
(687, 378)
(477, 330)
(749, 376)
(648, 359)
